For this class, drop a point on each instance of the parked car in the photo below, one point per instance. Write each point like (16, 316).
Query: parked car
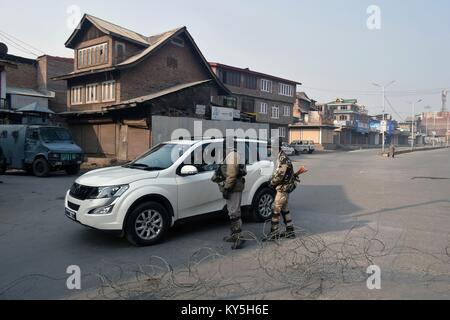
(287, 149)
(143, 199)
(39, 149)
(303, 146)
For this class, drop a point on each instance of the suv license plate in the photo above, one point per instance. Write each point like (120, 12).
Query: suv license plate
(71, 214)
(67, 157)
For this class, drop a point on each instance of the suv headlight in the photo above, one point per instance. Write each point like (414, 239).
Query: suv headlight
(109, 192)
(54, 156)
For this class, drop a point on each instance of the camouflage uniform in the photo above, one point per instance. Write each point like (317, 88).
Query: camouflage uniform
(392, 151)
(284, 181)
(232, 187)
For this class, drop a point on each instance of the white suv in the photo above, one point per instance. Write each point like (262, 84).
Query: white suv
(144, 198)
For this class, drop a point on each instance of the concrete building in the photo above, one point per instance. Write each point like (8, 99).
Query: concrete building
(266, 98)
(435, 125)
(313, 123)
(352, 121)
(302, 107)
(25, 82)
(121, 79)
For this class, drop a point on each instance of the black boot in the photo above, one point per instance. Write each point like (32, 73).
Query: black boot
(236, 234)
(274, 234)
(290, 231)
(235, 230)
(239, 243)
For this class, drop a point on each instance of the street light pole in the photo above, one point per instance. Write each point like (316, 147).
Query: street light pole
(383, 93)
(384, 111)
(412, 128)
(426, 123)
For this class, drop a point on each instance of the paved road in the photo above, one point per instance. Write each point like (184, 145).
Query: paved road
(407, 199)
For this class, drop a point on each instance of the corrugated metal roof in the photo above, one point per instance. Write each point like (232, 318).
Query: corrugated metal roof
(303, 96)
(248, 71)
(109, 27)
(151, 42)
(158, 94)
(135, 101)
(35, 107)
(155, 42)
(29, 92)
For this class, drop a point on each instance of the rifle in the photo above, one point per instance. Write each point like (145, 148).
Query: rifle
(300, 171)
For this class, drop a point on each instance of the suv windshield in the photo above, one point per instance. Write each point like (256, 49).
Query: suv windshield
(55, 134)
(161, 157)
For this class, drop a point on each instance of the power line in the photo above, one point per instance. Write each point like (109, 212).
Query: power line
(25, 43)
(393, 109)
(17, 46)
(21, 49)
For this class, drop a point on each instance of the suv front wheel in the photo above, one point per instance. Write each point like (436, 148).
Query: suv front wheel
(147, 224)
(262, 204)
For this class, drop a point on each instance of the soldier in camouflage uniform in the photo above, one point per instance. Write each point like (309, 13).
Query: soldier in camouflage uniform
(230, 178)
(392, 150)
(284, 181)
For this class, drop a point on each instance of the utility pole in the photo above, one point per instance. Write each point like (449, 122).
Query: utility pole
(413, 119)
(426, 123)
(383, 93)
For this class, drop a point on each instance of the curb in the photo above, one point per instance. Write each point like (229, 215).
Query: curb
(414, 150)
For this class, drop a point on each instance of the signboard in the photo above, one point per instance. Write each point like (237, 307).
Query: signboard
(222, 114)
(390, 128)
(383, 126)
(374, 125)
(387, 127)
(200, 110)
(362, 127)
(341, 123)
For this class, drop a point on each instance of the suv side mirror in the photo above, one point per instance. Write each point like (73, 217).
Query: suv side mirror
(188, 170)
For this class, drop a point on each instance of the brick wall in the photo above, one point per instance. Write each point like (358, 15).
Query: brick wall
(22, 76)
(131, 49)
(49, 67)
(169, 66)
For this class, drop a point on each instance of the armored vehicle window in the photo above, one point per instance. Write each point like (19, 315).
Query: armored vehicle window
(32, 134)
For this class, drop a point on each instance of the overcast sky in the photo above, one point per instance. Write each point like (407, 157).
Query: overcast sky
(324, 44)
